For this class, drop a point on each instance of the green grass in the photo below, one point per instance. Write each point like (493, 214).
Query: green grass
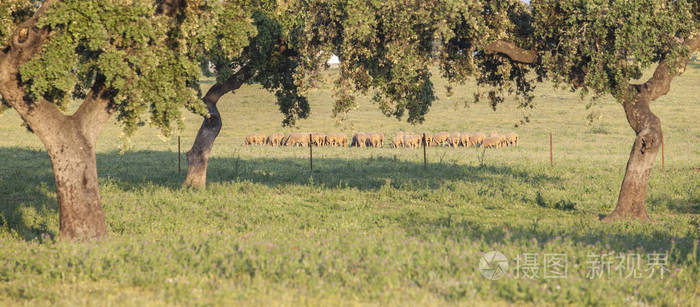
(367, 226)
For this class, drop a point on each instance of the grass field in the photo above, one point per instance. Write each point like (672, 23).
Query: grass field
(367, 226)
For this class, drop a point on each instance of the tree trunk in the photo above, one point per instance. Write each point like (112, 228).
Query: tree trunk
(198, 156)
(77, 191)
(631, 202)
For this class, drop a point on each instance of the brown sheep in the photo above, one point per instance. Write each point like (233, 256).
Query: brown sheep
(408, 141)
(274, 139)
(512, 138)
(297, 139)
(318, 139)
(477, 138)
(504, 140)
(418, 140)
(341, 139)
(375, 139)
(455, 139)
(398, 140)
(412, 140)
(491, 142)
(464, 139)
(359, 139)
(254, 139)
(441, 139)
(331, 140)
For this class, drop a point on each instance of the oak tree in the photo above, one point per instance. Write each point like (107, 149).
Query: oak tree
(137, 60)
(271, 59)
(599, 47)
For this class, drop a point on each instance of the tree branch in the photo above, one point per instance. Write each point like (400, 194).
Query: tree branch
(660, 83)
(27, 39)
(233, 83)
(512, 51)
(26, 42)
(95, 110)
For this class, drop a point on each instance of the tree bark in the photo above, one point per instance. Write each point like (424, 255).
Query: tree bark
(74, 163)
(198, 156)
(631, 203)
(70, 142)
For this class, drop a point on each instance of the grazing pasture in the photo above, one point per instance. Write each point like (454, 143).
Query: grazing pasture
(368, 225)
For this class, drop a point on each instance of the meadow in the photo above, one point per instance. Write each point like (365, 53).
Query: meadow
(366, 226)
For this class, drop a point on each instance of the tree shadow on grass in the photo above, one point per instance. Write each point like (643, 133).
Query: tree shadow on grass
(26, 192)
(132, 170)
(27, 189)
(690, 205)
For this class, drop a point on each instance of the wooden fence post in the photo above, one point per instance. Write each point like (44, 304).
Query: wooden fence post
(425, 155)
(311, 152)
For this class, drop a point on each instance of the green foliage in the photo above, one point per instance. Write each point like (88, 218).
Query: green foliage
(382, 45)
(386, 47)
(148, 62)
(12, 13)
(601, 46)
(271, 58)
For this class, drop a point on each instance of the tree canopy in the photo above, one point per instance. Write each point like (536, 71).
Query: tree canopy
(387, 47)
(147, 61)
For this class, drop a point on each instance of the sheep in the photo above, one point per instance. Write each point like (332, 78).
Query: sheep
(455, 139)
(330, 140)
(274, 139)
(413, 140)
(512, 139)
(318, 139)
(491, 142)
(337, 139)
(375, 139)
(398, 140)
(297, 139)
(464, 139)
(441, 139)
(341, 139)
(359, 139)
(477, 138)
(504, 140)
(418, 139)
(410, 141)
(254, 139)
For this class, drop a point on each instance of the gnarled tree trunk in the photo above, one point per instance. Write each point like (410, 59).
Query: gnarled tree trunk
(647, 126)
(198, 156)
(75, 172)
(70, 142)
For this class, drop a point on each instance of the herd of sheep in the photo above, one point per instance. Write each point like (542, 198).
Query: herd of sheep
(376, 139)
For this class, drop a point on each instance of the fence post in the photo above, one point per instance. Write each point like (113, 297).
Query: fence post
(425, 155)
(551, 155)
(311, 152)
(179, 168)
